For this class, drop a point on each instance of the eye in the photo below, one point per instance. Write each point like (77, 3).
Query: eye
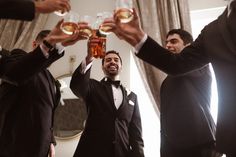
(173, 41)
(108, 60)
(116, 60)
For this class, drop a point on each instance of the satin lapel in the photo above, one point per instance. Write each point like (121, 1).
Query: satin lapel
(109, 93)
(222, 23)
(51, 84)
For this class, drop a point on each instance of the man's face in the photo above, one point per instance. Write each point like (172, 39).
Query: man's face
(174, 43)
(112, 65)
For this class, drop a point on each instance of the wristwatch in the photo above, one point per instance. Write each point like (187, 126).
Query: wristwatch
(48, 45)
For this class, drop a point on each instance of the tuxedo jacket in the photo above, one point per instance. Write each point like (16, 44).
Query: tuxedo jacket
(214, 45)
(186, 119)
(27, 130)
(109, 132)
(17, 9)
(3, 54)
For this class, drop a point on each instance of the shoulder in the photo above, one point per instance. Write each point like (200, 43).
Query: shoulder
(129, 92)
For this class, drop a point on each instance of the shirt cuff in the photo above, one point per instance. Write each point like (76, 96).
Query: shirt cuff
(84, 68)
(60, 48)
(140, 44)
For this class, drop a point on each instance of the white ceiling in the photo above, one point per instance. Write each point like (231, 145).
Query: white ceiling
(205, 4)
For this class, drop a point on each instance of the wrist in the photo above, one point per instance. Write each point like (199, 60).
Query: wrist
(89, 59)
(50, 40)
(139, 36)
(38, 6)
(48, 44)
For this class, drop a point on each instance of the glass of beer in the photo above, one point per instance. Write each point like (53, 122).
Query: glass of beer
(98, 48)
(105, 29)
(88, 19)
(124, 10)
(70, 23)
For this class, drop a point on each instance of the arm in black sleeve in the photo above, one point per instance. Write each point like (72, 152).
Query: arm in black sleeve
(20, 66)
(17, 9)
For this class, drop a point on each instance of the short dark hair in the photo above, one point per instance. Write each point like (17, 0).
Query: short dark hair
(184, 35)
(41, 35)
(113, 52)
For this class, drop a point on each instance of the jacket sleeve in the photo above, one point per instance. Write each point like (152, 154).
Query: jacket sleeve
(135, 133)
(80, 83)
(21, 66)
(3, 55)
(17, 9)
(191, 58)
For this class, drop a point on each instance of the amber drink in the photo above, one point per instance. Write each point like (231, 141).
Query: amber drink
(98, 49)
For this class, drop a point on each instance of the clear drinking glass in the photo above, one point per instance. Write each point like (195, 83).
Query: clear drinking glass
(70, 23)
(124, 10)
(105, 29)
(90, 20)
(97, 49)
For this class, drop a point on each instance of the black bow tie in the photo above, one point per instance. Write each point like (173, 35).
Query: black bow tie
(115, 83)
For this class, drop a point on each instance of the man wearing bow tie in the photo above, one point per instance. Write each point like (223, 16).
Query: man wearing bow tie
(216, 44)
(113, 127)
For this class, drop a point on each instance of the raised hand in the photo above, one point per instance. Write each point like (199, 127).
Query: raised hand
(130, 32)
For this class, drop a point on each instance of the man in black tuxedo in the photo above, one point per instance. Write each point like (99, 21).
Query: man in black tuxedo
(185, 107)
(27, 129)
(215, 45)
(113, 127)
(3, 54)
(26, 9)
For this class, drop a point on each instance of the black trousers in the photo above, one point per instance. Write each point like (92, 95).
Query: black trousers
(231, 155)
(204, 150)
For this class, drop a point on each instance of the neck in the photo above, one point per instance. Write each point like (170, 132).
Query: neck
(114, 78)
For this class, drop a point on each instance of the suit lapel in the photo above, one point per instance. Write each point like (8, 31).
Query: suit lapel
(222, 23)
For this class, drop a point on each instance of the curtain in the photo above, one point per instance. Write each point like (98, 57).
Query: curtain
(157, 17)
(20, 34)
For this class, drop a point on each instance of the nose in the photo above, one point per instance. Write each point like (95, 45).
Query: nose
(168, 45)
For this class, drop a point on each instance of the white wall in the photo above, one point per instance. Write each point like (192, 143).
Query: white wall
(206, 4)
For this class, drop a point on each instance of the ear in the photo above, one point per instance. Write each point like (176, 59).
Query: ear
(34, 44)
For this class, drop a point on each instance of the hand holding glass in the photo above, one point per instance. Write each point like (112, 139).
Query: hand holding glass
(89, 20)
(70, 23)
(105, 29)
(61, 12)
(124, 10)
(97, 42)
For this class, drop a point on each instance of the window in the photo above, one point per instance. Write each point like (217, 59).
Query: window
(200, 18)
(150, 121)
